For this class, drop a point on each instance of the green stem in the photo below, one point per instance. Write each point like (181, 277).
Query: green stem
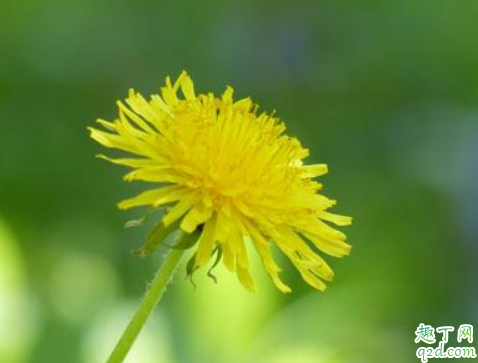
(150, 300)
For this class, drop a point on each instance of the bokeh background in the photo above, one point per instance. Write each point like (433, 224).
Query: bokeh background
(385, 92)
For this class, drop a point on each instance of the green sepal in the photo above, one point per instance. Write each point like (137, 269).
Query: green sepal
(187, 240)
(155, 238)
(191, 269)
(191, 266)
(218, 251)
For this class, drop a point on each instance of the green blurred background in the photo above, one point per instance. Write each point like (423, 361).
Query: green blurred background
(385, 92)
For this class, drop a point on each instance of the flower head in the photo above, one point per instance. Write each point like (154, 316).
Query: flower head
(230, 173)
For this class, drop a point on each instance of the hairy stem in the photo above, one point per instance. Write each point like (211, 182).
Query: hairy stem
(147, 305)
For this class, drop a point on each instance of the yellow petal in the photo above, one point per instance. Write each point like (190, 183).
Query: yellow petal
(242, 261)
(312, 171)
(228, 256)
(332, 247)
(112, 141)
(156, 197)
(130, 162)
(271, 267)
(206, 242)
(187, 86)
(178, 210)
(336, 218)
(156, 174)
(133, 116)
(196, 216)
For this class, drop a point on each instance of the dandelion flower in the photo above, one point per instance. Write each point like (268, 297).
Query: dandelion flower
(230, 174)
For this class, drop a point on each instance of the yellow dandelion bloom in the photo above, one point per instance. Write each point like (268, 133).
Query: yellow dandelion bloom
(230, 173)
